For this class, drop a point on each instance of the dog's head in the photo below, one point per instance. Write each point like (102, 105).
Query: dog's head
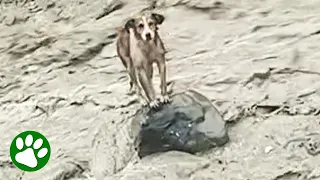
(145, 25)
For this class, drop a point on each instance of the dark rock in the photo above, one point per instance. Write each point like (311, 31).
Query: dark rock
(190, 123)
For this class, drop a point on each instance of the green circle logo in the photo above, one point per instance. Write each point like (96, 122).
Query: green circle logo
(30, 151)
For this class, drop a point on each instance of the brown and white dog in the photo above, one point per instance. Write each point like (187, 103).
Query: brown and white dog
(139, 46)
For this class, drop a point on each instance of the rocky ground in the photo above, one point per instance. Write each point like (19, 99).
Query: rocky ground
(257, 61)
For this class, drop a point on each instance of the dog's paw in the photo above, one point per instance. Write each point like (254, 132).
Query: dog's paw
(143, 102)
(154, 104)
(131, 92)
(164, 99)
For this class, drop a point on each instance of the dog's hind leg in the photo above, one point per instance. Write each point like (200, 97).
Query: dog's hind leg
(150, 73)
(127, 63)
(137, 87)
(132, 77)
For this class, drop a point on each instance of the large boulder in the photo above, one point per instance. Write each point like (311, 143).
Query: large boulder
(190, 123)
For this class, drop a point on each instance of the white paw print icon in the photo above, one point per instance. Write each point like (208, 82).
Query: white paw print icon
(28, 157)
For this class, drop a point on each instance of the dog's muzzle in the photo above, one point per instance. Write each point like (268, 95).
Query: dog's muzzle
(148, 36)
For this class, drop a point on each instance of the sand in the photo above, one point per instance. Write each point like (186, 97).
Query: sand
(257, 61)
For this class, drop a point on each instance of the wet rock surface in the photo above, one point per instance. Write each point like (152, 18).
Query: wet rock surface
(256, 61)
(190, 123)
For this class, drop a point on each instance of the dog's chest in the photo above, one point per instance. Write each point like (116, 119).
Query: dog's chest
(149, 50)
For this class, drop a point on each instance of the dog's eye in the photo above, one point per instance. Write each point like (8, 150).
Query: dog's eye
(150, 24)
(140, 26)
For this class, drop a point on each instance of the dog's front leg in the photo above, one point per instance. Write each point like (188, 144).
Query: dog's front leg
(163, 79)
(146, 83)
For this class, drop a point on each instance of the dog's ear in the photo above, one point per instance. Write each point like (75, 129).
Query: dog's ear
(158, 17)
(129, 24)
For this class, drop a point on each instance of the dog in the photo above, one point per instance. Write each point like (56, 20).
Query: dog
(139, 46)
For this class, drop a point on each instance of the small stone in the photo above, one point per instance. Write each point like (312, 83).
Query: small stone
(10, 20)
(177, 134)
(268, 149)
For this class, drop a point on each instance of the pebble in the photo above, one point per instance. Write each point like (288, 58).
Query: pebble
(268, 149)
